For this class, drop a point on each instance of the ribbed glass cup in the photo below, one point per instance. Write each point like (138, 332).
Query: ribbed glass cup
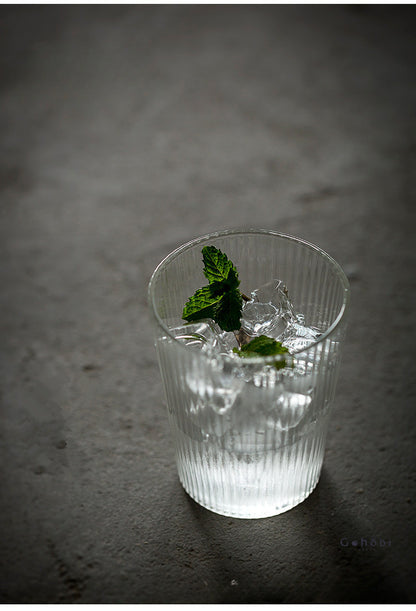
(249, 437)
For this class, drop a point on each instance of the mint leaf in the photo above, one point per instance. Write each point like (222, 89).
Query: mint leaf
(220, 300)
(228, 311)
(223, 307)
(202, 304)
(218, 267)
(263, 346)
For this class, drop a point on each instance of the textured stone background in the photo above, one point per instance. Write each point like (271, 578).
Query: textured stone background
(124, 132)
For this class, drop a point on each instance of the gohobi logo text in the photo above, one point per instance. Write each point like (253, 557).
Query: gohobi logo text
(373, 543)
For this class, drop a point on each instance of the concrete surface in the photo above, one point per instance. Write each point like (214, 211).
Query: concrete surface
(124, 132)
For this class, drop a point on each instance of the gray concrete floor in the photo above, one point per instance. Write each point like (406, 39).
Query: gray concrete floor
(124, 132)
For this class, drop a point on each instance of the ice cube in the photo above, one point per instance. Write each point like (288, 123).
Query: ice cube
(275, 292)
(198, 334)
(209, 399)
(269, 312)
(288, 326)
(226, 342)
(261, 319)
(289, 410)
(298, 337)
(215, 388)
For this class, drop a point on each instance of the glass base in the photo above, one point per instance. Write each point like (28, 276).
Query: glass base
(256, 484)
(254, 513)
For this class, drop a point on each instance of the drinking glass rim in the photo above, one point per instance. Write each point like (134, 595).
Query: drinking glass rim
(265, 232)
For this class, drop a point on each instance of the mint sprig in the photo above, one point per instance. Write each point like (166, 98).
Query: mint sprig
(220, 300)
(263, 346)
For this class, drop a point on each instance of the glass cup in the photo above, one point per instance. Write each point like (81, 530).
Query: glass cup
(250, 436)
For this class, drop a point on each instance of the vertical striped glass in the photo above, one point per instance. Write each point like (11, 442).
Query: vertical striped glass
(250, 438)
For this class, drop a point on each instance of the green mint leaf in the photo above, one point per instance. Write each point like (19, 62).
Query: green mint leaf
(220, 300)
(218, 288)
(202, 304)
(218, 267)
(232, 280)
(263, 346)
(228, 311)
